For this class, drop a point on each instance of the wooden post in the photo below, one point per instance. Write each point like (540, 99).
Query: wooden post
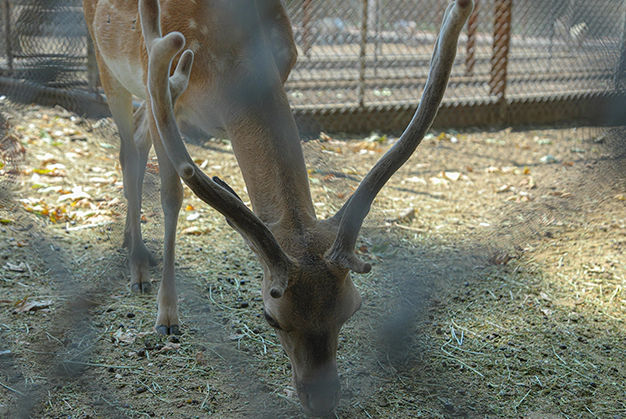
(363, 56)
(472, 25)
(306, 27)
(8, 36)
(501, 41)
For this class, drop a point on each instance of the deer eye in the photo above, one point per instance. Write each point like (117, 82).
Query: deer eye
(270, 320)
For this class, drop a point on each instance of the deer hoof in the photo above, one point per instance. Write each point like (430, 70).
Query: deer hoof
(140, 273)
(168, 330)
(141, 288)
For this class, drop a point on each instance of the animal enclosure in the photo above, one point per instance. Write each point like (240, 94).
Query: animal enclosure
(498, 270)
(362, 63)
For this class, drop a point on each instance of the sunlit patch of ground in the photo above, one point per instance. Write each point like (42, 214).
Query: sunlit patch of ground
(497, 289)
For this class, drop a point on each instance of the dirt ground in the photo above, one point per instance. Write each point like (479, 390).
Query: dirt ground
(497, 289)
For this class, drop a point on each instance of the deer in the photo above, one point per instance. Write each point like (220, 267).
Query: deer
(222, 65)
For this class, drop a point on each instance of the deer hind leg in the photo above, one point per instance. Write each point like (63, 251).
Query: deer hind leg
(171, 201)
(143, 142)
(133, 157)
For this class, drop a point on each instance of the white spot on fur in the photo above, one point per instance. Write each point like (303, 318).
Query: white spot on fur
(194, 45)
(192, 24)
(129, 74)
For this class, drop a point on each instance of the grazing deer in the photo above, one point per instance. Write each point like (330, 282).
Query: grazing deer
(230, 81)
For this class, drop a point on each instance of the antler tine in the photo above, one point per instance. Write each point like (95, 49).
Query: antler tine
(180, 80)
(150, 12)
(163, 91)
(352, 214)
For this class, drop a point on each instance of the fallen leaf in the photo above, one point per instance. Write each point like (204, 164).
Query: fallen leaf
(26, 306)
(406, 215)
(438, 181)
(193, 217)
(325, 137)
(46, 158)
(127, 336)
(547, 159)
(349, 171)
(501, 258)
(170, 346)
(416, 179)
(547, 312)
(77, 193)
(200, 359)
(453, 176)
(543, 141)
(16, 268)
(527, 183)
(196, 231)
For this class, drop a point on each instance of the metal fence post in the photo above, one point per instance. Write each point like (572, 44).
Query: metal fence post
(306, 27)
(500, 55)
(6, 11)
(620, 70)
(363, 56)
(472, 26)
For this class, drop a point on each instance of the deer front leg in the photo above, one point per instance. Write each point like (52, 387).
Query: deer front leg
(171, 201)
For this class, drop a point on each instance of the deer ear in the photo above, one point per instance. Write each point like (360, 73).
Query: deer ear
(348, 260)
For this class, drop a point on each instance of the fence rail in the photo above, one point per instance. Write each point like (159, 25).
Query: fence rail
(363, 63)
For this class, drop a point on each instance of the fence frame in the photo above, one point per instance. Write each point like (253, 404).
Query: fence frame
(587, 108)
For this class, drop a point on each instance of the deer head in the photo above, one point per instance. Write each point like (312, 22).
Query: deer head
(307, 290)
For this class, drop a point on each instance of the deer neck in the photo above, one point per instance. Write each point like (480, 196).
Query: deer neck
(267, 146)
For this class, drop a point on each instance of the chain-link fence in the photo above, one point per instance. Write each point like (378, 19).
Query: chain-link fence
(44, 50)
(363, 63)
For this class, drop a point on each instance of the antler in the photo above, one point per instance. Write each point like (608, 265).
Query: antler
(164, 91)
(356, 209)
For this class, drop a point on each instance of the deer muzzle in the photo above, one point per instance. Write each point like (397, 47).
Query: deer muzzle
(320, 398)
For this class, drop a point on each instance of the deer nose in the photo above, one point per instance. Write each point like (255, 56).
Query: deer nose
(322, 401)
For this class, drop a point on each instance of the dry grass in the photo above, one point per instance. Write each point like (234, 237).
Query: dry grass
(501, 295)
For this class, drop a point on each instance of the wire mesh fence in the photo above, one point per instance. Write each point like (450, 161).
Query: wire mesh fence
(364, 63)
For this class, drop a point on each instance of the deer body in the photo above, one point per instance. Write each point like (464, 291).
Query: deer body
(230, 81)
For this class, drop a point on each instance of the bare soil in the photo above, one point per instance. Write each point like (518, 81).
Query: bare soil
(497, 289)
